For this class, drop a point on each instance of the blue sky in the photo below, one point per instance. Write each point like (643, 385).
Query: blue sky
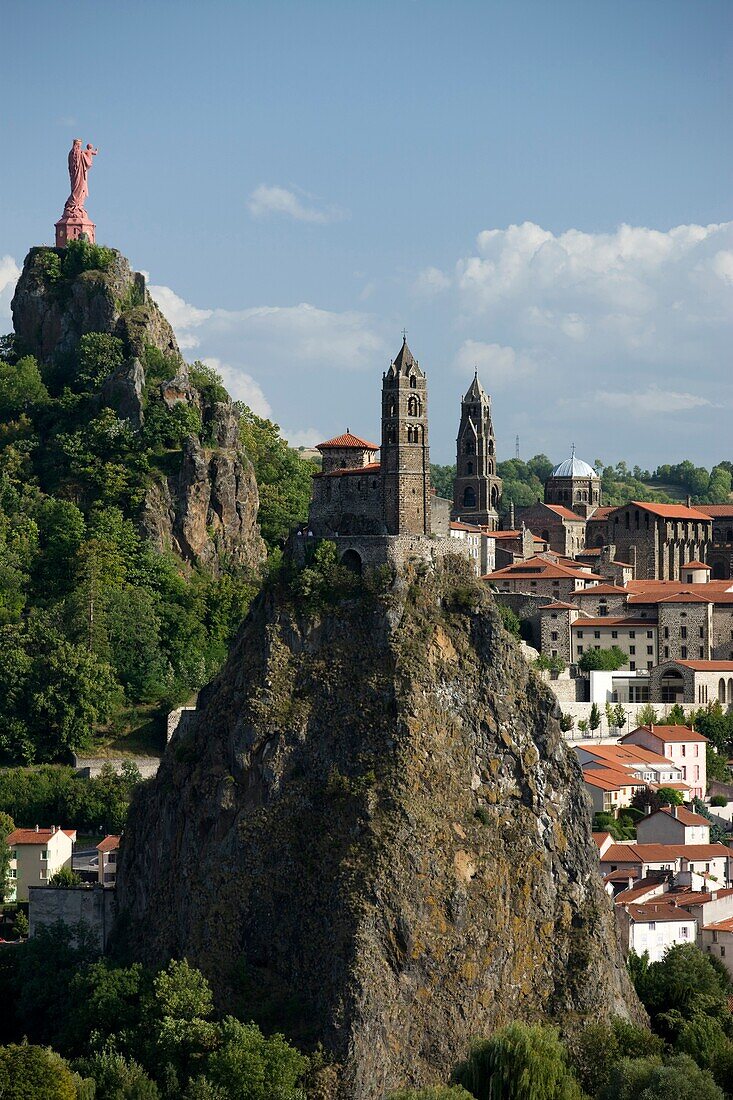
(543, 189)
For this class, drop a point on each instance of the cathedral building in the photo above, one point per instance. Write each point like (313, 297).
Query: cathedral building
(477, 488)
(574, 485)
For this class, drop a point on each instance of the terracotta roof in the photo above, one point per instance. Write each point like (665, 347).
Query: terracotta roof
(641, 887)
(706, 666)
(631, 852)
(603, 512)
(348, 440)
(687, 817)
(653, 911)
(565, 513)
(684, 896)
(686, 597)
(541, 567)
(559, 606)
(349, 471)
(725, 925)
(666, 511)
(600, 838)
(31, 836)
(719, 592)
(607, 590)
(717, 511)
(696, 565)
(456, 526)
(630, 756)
(610, 779)
(109, 844)
(607, 620)
(669, 734)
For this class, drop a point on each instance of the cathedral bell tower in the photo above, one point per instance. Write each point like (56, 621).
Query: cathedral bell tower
(477, 488)
(405, 459)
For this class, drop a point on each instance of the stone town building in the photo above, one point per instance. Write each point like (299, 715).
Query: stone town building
(476, 489)
(720, 549)
(561, 529)
(575, 485)
(543, 576)
(384, 510)
(656, 539)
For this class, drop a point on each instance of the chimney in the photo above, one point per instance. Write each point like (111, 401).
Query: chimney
(674, 810)
(648, 809)
(689, 501)
(36, 828)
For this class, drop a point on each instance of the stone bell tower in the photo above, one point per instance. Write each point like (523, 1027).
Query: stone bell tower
(405, 456)
(476, 489)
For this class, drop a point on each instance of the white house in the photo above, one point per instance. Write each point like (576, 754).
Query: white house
(717, 939)
(654, 926)
(673, 825)
(713, 861)
(35, 857)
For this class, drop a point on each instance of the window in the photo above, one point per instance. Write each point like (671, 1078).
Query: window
(702, 632)
(666, 651)
(596, 633)
(553, 636)
(632, 633)
(684, 932)
(650, 650)
(469, 497)
(666, 631)
(614, 633)
(652, 925)
(632, 649)
(580, 650)
(580, 633)
(683, 652)
(650, 664)
(702, 652)
(13, 873)
(650, 633)
(44, 853)
(683, 632)
(632, 665)
(469, 467)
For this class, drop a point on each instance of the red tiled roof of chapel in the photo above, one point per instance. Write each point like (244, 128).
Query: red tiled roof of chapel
(370, 468)
(696, 565)
(565, 513)
(348, 440)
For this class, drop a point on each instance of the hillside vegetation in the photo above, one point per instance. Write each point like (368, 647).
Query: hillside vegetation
(100, 626)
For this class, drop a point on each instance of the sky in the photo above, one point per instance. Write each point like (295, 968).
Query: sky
(540, 191)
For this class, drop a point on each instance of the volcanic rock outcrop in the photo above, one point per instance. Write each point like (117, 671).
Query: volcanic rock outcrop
(201, 503)
(372, 833)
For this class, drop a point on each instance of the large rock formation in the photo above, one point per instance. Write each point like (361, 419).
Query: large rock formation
(203, 505)
(373, 833)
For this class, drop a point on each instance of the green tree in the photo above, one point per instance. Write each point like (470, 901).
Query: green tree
(647, 715)
(21, 387)
(619, 716)
(117, 1078)
(442, 478)
(594, 718)
(248, 1066)
(668, 796)
(436, 1092)
(6, 827)
(650, 1079)
(566, 722)
(519, 1062)
(704, 1040)
(608, 660)
(99, 356)
(30, 1073)
(596, 1048)
(64, 878)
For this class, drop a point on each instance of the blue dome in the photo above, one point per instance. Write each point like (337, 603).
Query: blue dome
(573, 467)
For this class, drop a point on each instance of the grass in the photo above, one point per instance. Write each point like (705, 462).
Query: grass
(135, 731)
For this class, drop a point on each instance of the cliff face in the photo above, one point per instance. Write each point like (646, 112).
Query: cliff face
(373, 825)
(203, 504)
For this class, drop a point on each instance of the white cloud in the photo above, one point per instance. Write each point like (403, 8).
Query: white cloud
(266, 200)
(181, 314)
(303, 437)
(241, 386)
(642, 404)
(431, 281)
(498, 366)
(9, 272)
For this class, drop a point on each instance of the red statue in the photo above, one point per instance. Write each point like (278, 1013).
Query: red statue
(74, 222)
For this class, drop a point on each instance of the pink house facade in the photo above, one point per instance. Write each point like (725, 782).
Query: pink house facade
(683, 746)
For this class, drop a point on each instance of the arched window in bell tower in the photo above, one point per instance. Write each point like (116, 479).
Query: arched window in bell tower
(391, 407)
(413, 406)
(469, 497)
(469, 447)
(469, 467)
(413, 382)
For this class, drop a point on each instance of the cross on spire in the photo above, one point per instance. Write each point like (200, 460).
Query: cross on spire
(404, 335)
(572, 451)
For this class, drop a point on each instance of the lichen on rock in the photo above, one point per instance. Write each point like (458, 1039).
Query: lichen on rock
(374, 835)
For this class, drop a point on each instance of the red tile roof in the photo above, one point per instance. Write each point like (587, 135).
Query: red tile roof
(686, 597)
(696, 565)
(348, 440)
(625, 755)
(603, 513)
(565, 513)
(666, 511)
(725, 925)
(559, 606)
(668, 734)
(717, 511)
(706, 666)
(540, 568)
(31, 836)
(719, 592)
(687, 817)
(607, 590)
(609, 779)
(109, 844)
(631, 852)
(658, 911)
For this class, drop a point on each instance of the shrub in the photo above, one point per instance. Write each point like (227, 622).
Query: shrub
(27, 1072)
(719, 800)
(435, 1092)
(64, 877)
(99, 356)
(509, 619)
(608, 660)
(650, 1079)
(82, 256)
(519, 1062)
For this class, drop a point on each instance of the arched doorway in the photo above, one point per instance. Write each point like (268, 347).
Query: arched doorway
(352, 560)
(672, 686)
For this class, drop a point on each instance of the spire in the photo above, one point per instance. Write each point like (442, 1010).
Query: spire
(404, 357)
(475, 391)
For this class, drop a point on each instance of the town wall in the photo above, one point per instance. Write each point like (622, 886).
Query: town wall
(73, 905)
